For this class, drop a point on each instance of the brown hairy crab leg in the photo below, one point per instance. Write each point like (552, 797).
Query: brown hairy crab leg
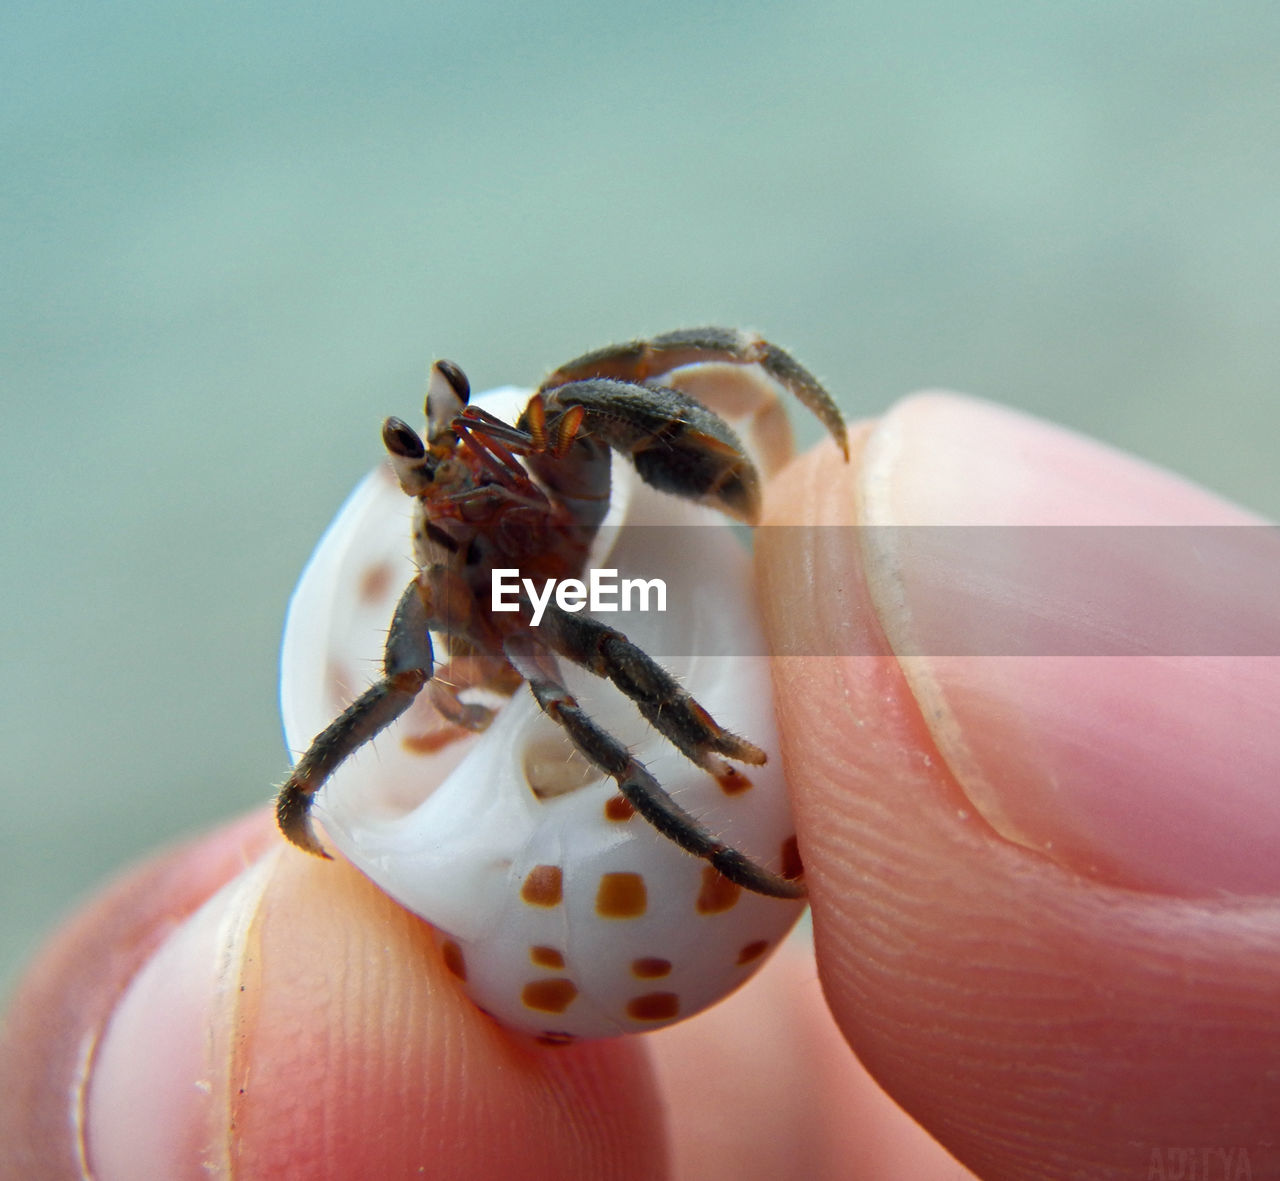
(641, 361)
(539, 667)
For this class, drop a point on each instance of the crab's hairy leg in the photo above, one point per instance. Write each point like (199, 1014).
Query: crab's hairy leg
(646, 360)
(676, 444)
(665, 703)
(407, 662)
(539, 667)
(745, 397)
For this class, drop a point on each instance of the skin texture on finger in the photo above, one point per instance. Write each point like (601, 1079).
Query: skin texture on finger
(763, 1086)
(1010, 562)
(56, 1016)
(301, 1024)
(1036, 1011)
(392, 1046)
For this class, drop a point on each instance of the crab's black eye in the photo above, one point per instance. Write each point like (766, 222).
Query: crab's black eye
(413, 466)
(448, 391)
(402, 440)
(457, 380)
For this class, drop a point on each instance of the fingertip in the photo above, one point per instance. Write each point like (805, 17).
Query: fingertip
(282, 1014)
(358, 1025)
(1023, 1008)
(763, 1085)
(65, 1000)
(1067, 618)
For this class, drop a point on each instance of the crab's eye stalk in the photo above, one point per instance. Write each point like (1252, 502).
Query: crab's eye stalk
(408, 455)
(448, 391)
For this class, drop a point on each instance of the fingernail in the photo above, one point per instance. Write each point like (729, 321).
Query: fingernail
(1092, 643)
(159, 1098)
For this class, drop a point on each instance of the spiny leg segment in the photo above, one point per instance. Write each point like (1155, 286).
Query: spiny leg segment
(640, 361)
(539, 667)
(663, 701)
(674, 442)
(407, 662)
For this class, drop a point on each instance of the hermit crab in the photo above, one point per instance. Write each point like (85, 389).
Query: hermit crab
(592, 854)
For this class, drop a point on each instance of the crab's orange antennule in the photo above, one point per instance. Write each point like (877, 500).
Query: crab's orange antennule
(535, 421)
(567, 430)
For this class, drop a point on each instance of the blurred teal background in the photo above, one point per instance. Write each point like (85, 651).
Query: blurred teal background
(234, 236)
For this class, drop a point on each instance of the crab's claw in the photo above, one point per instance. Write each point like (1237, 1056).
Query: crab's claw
(675, 442)
(293, 814)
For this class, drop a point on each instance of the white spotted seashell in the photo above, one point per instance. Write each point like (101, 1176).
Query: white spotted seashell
(561, 912)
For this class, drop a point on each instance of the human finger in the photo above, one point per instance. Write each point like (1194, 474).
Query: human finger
(287, 1019)
(1042, 872)
(763, 1085)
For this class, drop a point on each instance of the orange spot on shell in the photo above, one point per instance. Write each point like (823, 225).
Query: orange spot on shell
(718, 893)
(549, 996)
(546, 957)
(650, 967)
(544, 886)
(451, 953)
(375, 582)
(753, 951)
(732, 781)
(621, 896)
(792, 866)
(430, 741)
(654, 1006)
(618, 808)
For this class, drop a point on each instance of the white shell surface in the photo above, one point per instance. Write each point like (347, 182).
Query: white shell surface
(559, 919)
